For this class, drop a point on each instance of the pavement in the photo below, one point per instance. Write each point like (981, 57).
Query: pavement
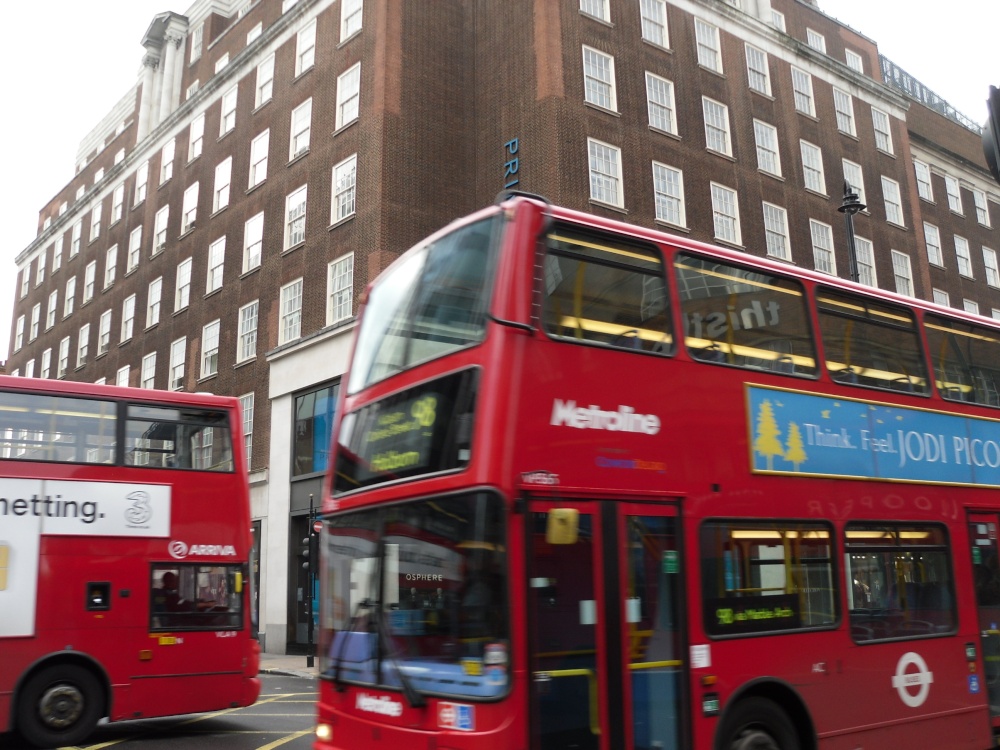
(287, 664)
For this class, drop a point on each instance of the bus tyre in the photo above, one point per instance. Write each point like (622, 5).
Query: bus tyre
(757, 724)
(60, 705)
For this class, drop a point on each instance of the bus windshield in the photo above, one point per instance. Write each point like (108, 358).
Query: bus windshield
(431, 304)
(421, 601)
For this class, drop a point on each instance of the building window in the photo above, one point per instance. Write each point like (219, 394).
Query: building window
(726, 214)
(128, 318)
(63, 358)
(104, 333)
(74, 243)
(883, 132)
(216, 264)
(893, 202)
(716, 126)
(940, 297)
(253, 240)
(963, 256)
(258, 158)
(305, 49)
(46, 364)
(246, 408)
(854, 61)
(89, 277)
(599, 79)
(19, 333)
(40, 270)
(210, 349)
(196, 37)
(70, 301)
(605, 173)
(255, 32)
(854, 177)
(134, 249)
(344, 178)
(812, 167)
(295, 218)
(901, 270)
(82, 345)
(141, 183)
(118, 203)
(298, 143)
(843, 103)
(50, 311)
(147, 374)
(25, 280)
(924, 188)
(970, 306)
(816, 40)
(290, 327)
(668, 191)
(954, 194)
(160, 230)
(802, 88)
(982, 209)
(932, 238)
(196, 137)
(153, 298)
(265, 81)
(167, 161)
(228, 118)
(246, 347)
(56, 256)
(178, 352)
(822, 243)
(110, 265)
(340, 289)
(778, 20)
(182, 295)
(865, 257)
(654, 22)
(660, 103)
(189, 208)
(350, 18)
(707, 38)
(776, 231)
(348, 96)
(596, 8)
(95, 222)
(992, 272)
(223, 178)
(758, 74)
(314, 417)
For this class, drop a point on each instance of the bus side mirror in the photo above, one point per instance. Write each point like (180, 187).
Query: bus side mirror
(562, 526)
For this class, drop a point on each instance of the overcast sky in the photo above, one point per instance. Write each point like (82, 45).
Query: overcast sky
(63, 73)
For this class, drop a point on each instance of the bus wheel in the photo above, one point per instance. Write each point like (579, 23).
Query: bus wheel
(757, 724)
(60, 705)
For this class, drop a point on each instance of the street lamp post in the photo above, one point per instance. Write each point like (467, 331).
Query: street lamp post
(851, 205)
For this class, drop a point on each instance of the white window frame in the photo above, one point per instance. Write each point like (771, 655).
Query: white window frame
(932, 241)
(160, 230)
(344, 190)
(167, 160)
(982, 207)
(893, 202)
(210, 349)
(599, 79)
(813, 174)
(970, 306)
(246, 341)
(596, 9)
(104, 333)
(296, 205)
(69, 299)
(227, 116)
(89, 281)
(147, 372)
(816, 40)
(802, 88)
(63, 365)
(708, 45)
(305, 49)
(264, 88)
(902, 271)
(925, 188)
(668, 194)
(189, 208)
(215, 265)
(83, 345)
(726, 214)
(182, 291)
(196, 137)
(963, 256)
(758, 70)
(660, 105)
(154, 299)
(178, 355)
(776, 231)
(350, 18)
(605, 173)
(843, 104)
(940, 297)
(854, 61)
(95, 221)
(348, 96)
(717, 134)
(258, 159)
(253, 242)
(954, 191)
(824, 255)
(46, 367)
(110, 265)
(992, 269)
(865, 257)
(118, 203)
(653, 15)
(883, 130)
(141, 183)
(128, 318)
(51, 308)
(134, 249)
(222, 184)
(855, 177)
(290, 310)
(301, 129)
(246, 410)
(340, 289)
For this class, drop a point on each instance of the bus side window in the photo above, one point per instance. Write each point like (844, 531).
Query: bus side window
(965, 359)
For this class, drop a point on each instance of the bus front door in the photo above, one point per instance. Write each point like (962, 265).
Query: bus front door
(605, 626)
(983, 529)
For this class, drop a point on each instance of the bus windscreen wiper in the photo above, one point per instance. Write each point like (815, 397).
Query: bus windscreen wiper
(413, 696)
(362, 606)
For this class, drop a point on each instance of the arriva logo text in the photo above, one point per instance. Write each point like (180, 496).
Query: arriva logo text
(383, 705)
(568, 414)
(179, 550)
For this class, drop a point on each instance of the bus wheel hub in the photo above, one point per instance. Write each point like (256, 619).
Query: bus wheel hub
(61, 706)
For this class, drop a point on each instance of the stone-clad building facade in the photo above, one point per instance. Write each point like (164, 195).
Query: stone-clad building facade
(275, 155)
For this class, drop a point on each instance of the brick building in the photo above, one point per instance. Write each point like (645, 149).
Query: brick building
(275, 155)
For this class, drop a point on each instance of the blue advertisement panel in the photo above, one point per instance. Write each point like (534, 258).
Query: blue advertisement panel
(808, 434)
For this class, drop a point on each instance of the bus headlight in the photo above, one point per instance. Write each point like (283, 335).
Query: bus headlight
(324, 732)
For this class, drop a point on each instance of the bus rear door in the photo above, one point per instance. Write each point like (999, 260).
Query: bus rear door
(606, 638)
(986, 566)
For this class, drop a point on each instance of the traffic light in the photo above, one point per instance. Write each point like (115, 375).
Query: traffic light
(991, 133)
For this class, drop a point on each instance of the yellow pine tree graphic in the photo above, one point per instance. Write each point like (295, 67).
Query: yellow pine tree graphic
(795, 449)
(768, 443)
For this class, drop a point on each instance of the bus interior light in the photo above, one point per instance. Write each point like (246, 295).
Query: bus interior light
(562, 526)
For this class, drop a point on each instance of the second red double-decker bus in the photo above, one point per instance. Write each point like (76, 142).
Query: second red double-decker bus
(599, 487)
(124, 557)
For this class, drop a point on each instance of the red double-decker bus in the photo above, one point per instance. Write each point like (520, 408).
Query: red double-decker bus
(124, 557)
(600, 487)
